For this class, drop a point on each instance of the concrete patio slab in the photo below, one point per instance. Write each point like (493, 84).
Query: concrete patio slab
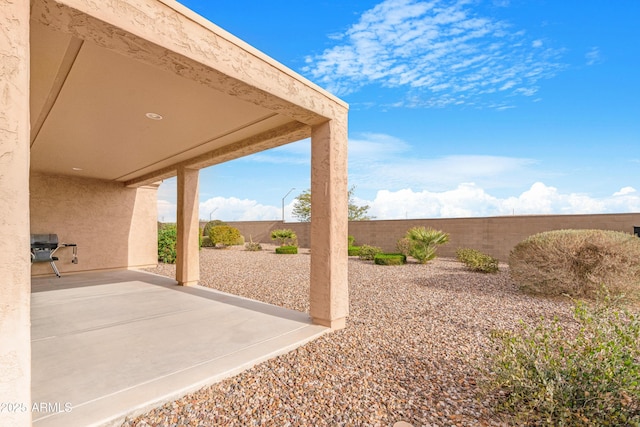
(114, 344)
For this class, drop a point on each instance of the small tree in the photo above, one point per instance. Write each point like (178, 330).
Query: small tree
(302, 207)
(284, 237)
(423, 243)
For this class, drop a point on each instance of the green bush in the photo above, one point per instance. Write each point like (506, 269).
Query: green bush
(424, 242)
(390, 259)
(225, 235)
(547, 376)
(287, 250)
(167, 239)
(209, 225)
(207, 243)
(353, 250)
(369, 252)
(477, 261)
(351, 241)
(578, 263)
(285, 237)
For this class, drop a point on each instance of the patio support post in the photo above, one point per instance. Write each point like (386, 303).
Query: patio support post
(15, 291)
(187, 248)
(329, 295)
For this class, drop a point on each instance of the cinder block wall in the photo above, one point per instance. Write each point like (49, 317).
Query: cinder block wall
(113, 226)
(493, 235)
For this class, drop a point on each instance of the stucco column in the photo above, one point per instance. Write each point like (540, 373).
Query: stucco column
(15, 290)
(188, 257)
(329, 294)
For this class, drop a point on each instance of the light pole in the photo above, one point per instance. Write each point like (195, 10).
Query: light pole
(285, 196)
(211, 214)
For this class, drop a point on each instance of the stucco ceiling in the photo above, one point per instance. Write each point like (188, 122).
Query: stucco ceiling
(89, 110)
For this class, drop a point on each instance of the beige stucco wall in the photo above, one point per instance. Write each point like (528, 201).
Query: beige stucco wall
(15, 287)
(113, 226)
(493, 235)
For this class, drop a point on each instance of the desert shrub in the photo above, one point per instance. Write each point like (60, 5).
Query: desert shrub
(544, 375)
(389, 259)
(404, 246)
(285, 237)
(477, 261)
(423, 242)
(369, 252)
(287, 249)
(224, 235)
(351, 241)
(209, 225)
(252, 246)
(577, 263)
(207, 243)
(353, 250)
(167, 239)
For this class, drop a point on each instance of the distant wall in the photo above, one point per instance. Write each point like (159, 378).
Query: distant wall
(113, 226)
(493, 235)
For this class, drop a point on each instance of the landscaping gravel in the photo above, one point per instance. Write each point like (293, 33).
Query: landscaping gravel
(415, 338)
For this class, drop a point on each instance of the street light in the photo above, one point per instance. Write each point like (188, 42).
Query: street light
(285, 196)
(215, 209)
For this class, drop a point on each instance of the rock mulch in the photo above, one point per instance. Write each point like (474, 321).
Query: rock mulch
(415, 338)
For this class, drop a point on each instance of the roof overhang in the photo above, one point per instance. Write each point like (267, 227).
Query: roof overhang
(96, 73)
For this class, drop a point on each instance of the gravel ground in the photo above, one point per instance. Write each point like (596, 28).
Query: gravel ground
(415, 337)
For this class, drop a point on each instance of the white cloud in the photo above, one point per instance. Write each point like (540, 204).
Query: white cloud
(593, 56)
(469, 200)
(440, 51)
(625, 191)
(464, 200)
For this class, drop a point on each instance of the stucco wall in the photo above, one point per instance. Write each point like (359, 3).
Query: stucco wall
(15, 288)
(493, 235)
(113, 226)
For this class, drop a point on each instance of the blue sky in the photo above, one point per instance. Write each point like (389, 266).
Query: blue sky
(458, 108)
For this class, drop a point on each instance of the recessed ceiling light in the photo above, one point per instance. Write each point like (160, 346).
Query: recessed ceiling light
(154, 116)
(76, 169)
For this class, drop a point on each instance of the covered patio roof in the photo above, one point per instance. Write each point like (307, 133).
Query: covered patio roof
(133, 90)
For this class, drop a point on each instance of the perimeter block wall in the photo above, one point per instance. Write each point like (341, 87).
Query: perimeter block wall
(495, 236)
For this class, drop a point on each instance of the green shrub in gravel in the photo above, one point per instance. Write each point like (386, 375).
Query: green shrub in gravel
(577, 263)
(285, 237)
(167, 239)
(225, 235)
(477, 261)
(544, 375)
(351, 241)
(287, 249)
(207, 243)
(353, 250)
(390, 259)
(369, 252)
(424, 242)
(209, 225)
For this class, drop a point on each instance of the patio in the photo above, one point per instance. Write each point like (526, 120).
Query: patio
(111, 344)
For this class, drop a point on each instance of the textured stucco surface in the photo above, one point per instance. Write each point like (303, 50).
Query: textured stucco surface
(15, 288)
(113, 226)
(187, 248)
(329, 294)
